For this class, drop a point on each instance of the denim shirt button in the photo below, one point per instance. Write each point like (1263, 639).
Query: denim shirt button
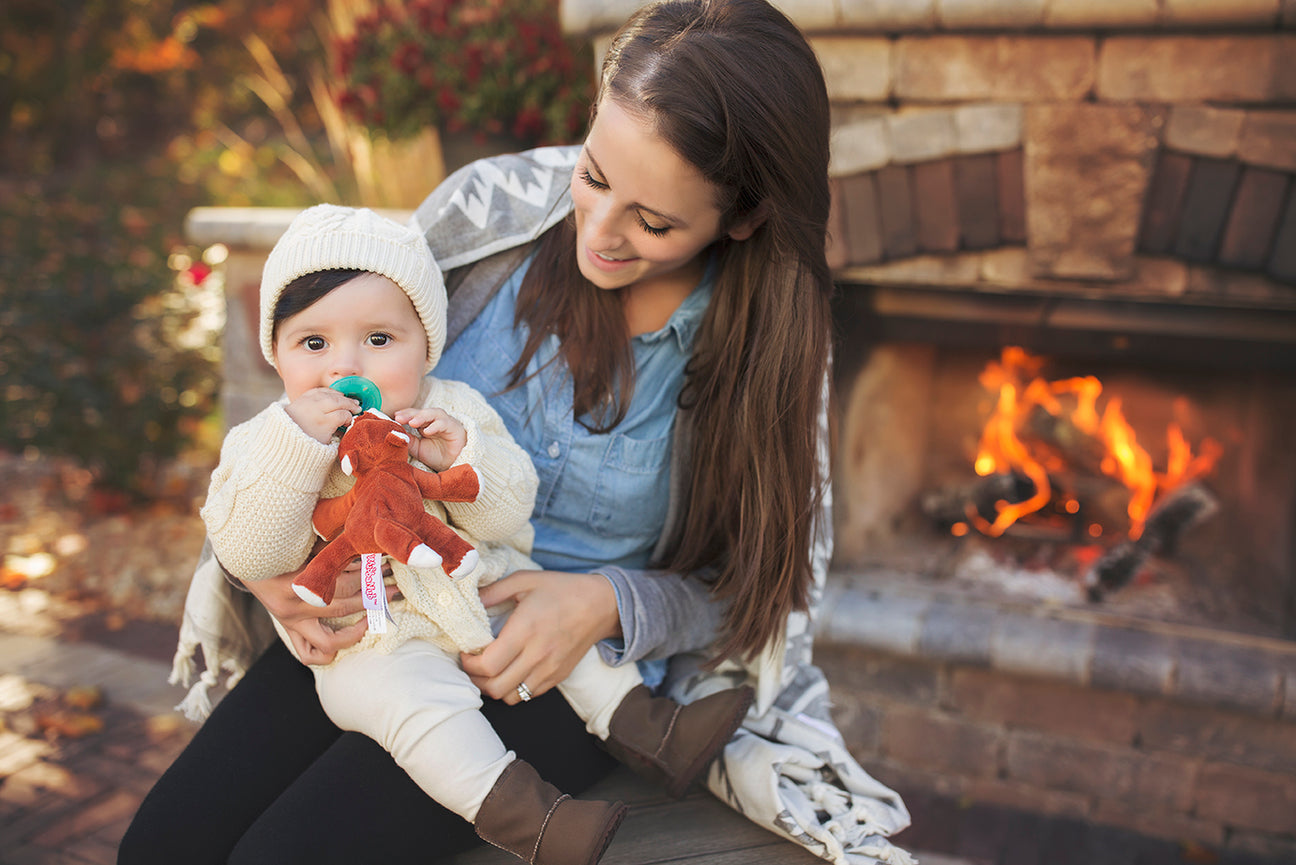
(554, 450)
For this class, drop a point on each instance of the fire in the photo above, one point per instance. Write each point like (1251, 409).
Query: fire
(1023, 394)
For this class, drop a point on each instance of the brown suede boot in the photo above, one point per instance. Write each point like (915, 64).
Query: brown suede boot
(536, 822)
(671, 743)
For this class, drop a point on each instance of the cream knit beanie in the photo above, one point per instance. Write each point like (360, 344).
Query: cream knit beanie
(328, 237)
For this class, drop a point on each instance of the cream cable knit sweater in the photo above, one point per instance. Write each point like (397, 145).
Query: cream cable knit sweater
(271, 474)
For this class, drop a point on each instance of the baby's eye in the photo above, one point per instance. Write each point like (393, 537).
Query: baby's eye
(379, 339)
(314, 343)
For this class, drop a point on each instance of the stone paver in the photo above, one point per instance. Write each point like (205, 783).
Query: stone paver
(67, 800)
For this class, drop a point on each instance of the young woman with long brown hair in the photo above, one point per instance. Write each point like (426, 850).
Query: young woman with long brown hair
(649, 314)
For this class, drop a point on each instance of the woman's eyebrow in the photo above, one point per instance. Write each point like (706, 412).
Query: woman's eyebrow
(663, 216)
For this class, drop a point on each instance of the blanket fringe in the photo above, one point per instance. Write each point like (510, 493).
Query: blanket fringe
(196, 705)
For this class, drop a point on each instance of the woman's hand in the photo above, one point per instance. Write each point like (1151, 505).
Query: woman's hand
(314, 641)
(557, 619)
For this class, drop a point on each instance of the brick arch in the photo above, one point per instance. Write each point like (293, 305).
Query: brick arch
(957, 203)
(1222, 212)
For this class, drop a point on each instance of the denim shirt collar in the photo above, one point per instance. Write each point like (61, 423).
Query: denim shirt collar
(687, 318)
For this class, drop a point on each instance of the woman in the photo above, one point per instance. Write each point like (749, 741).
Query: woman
(649, 314)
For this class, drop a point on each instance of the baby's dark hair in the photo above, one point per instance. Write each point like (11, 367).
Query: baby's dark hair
(305, 290)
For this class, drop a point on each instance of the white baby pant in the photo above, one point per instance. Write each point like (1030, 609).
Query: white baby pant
(419, 704)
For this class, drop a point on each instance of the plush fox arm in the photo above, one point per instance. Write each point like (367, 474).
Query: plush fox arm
(456, 484)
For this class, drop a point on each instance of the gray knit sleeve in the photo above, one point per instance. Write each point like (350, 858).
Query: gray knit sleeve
(662, 614)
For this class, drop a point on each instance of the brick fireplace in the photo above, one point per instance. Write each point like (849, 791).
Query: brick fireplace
(1110, 186)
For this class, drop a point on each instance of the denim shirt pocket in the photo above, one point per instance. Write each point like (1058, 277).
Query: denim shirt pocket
(630, 499)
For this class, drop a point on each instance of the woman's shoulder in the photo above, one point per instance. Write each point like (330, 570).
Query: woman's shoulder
(496, 203)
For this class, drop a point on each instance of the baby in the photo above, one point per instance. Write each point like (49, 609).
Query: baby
(346, 292)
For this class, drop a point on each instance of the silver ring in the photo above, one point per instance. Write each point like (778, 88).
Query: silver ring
(524, 693)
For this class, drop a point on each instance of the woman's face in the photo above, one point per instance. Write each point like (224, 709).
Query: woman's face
(642, 212)
(367, 326)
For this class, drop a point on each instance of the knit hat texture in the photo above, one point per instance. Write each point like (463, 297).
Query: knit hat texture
(329, 237)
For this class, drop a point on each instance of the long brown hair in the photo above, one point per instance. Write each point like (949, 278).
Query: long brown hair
(735, 89)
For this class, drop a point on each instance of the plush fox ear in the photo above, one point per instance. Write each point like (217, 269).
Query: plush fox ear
(399, 438)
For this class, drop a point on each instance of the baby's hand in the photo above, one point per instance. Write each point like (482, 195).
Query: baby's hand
(320, 411)
(441, 437)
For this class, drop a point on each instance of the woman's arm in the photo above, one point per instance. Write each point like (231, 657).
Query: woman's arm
(313, 640)
(557, 619)
(661, 614)
(560, 616)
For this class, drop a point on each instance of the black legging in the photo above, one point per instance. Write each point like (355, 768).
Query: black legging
(268, 780)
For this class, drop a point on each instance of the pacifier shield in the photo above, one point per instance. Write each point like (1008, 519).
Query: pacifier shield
(359, 388)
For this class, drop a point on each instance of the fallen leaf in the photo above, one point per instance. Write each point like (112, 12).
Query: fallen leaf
(72, 725)
(83, 697)
(11, 579)
(1196, 853)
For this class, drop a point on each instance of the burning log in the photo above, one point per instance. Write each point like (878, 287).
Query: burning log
(1076, 503)
(957, 502)
(1181, 509)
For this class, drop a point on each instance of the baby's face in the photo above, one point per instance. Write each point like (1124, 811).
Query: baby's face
(366, 327)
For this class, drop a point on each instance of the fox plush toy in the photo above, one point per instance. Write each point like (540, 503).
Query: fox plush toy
(383, 512)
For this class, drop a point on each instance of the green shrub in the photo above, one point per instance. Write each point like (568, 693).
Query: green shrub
(110, 125)
(100, 358)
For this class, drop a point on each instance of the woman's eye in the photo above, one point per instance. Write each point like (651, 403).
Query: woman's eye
(652, 229)
(314, 343)
(590, 181)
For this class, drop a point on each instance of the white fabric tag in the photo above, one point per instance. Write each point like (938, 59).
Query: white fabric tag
(371, 589)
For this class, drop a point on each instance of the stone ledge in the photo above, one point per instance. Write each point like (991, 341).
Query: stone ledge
(249, 227)
(1252, 675)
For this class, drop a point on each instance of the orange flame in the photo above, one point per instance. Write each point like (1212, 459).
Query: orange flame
(1002, 450)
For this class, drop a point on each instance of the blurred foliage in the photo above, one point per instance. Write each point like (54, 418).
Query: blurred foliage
(487, 66)
(116, 118)
(107, 355)
(110, 112)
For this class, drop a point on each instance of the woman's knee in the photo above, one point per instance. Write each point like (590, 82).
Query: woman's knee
(158, 834)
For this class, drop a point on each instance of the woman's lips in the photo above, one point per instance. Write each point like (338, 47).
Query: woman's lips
(608, 265)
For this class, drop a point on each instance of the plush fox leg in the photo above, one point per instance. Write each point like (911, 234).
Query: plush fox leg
(459, 557)
(404, 544)
(540, 825)
(671, 743)
(316, 582)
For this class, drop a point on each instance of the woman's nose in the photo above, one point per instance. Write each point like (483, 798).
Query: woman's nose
(602, 229)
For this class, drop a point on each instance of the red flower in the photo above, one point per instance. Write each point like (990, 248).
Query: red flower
(407, 58)
(448, 101)
(463, 64)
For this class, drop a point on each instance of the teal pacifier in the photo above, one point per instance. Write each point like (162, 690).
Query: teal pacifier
(361, 389)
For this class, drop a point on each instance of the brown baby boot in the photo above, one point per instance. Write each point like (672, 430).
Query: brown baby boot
(539, 824)
(672, 743)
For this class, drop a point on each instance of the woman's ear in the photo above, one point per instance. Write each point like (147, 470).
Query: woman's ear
(747, 227)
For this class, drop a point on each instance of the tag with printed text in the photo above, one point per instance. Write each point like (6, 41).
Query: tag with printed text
(371, 589)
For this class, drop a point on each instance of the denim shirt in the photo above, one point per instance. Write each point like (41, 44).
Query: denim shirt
(603, 497)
